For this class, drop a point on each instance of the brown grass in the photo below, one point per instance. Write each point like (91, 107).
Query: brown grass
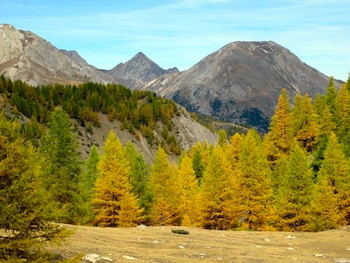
(159, 244)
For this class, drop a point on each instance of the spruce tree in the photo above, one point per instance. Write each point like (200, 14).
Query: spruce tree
(26, 210)
(63, 167)
(114, 204)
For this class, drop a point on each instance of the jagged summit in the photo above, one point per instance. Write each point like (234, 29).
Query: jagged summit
(141, 56)
(139, 68)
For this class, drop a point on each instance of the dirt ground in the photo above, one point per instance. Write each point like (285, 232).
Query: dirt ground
(159, 244)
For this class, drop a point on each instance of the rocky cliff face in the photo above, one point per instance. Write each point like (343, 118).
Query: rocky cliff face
(28, 57)
(138, 70)
(241, 82)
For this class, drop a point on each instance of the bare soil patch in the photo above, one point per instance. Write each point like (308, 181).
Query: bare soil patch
(159, 244)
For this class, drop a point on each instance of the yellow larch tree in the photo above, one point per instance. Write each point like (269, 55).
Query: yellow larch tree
(332, 195)
(304, 122)
(294, 195)
(217, 193)
(277, 140)
(166, 191)
(254, 181)
(233, 149)
(190, 191)
(114, 204)
(343, 129)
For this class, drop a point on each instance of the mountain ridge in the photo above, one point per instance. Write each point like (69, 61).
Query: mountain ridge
(32, 59)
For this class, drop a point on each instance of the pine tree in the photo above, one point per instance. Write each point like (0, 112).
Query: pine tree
(114, 204)
(277, 140)
(332, 196)
(254, 182)
(25, 206)
(63, 168)
(166, 191)
(293, 199)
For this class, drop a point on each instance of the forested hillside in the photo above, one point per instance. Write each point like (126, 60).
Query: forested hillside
(141, 112)
(296, 178)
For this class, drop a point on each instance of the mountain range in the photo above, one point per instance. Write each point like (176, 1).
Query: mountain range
(239, 83)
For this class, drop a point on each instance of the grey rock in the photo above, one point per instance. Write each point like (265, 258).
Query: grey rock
(94, 258)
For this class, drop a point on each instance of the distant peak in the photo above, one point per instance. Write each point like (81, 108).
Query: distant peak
(141, 58)
(140, 54)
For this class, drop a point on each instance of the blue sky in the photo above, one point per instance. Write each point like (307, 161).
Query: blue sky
(182, 32)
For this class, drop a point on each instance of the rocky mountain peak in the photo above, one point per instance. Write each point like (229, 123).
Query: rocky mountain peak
(140, 69)
(141, 57)
(241, 82)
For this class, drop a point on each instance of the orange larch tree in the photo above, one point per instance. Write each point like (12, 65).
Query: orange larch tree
(114, 204)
